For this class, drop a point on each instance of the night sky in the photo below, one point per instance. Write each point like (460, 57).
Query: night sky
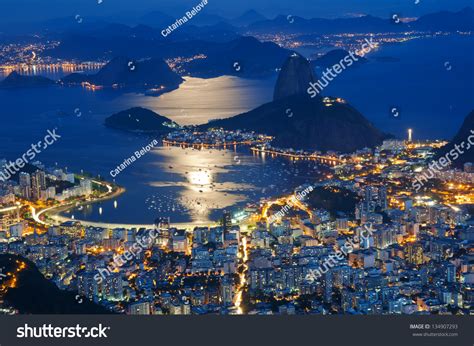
(39, 10)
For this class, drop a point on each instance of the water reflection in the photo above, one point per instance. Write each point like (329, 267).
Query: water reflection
(200, 174)
(199, 100)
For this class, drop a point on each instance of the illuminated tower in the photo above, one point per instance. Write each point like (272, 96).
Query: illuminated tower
(410, 135)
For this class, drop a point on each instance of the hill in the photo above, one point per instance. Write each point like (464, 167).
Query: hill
(33, 294)
(465, 133)
(248, 18)
(314, 125)
(141, 120)
(298, 121)
(440, 21)
(294, 78)
(16, 80)
(124, 72)
(447, 21)
(220, 50)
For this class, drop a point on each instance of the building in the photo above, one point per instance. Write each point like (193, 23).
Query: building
(25, 185)
(414, 253)
(140, 308)
(469, 167)
(226, 290)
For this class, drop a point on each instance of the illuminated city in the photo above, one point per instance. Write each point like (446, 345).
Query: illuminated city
(207, 159)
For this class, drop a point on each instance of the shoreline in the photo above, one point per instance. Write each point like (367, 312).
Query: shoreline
(53, 214)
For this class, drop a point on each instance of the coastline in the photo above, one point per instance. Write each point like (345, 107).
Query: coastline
(53, 213)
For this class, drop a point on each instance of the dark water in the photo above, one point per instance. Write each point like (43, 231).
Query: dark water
(191, 185)
(188, 185)
(431, 84)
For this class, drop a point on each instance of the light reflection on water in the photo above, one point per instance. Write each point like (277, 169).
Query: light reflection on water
(201, 175)
(195, 185)
(153, 189)
(199, 100)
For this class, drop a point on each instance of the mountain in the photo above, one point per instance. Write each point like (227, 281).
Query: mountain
(441, 21)
(16, 80)
(123, 71)
(243, 57)
(295, 76)
(111, 40)
(298, 121)
(157, 19)
(248, 18)
(465, 133)
(33, 294)
(299, 25)
(313, 125)
(447, 21)
(140, 120)
(205, 19)
(220, 32)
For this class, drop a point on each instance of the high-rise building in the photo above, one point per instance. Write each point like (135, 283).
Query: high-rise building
(113, 287)
(140, 308)
(382, 200)
(162, 225)
(226, 221)
(25, 185)
(368, 199)
(328, 285)
(88, 286)
(451, 273)
(414, 253)
(35, 187)
(179, 240)
(342, 224)
(226, 290)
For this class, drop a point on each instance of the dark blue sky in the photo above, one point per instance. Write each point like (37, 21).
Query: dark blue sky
(38, 10)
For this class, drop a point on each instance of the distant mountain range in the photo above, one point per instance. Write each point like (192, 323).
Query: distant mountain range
(298, 121)
(140, 120)
(248, 18)
(220, 42)
(244, 56)
(465, 132)
(256, 22)
(441, 21)
(124, 72)
(447, 21)
(16, 80)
